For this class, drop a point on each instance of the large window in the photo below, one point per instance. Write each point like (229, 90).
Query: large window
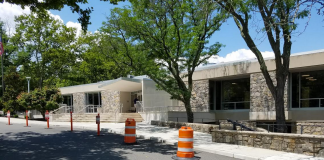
(307, 89)
(230, 94)
(93, 102)
(68, 100)
(94, 99)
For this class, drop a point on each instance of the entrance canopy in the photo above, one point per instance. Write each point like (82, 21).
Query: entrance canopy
(123, 84)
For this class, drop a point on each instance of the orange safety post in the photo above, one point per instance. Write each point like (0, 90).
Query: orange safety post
(98, 122)
(47, 118)
(71, 121)
(130, 131)
(8, 115)
(26, 118)
(185, 144)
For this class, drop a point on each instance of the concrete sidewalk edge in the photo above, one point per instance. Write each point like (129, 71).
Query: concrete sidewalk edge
(161, 140)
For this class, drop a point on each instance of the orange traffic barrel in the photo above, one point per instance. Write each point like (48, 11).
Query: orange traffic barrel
(130, 131)
(185, 144)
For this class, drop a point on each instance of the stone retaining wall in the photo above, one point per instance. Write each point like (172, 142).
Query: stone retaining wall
(205, 128)
(314, 128)
(295, 143)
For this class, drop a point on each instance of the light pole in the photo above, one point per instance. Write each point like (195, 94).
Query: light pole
(28, 79)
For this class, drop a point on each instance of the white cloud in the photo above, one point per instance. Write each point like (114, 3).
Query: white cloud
(241, 54)
(8, 13)
(56, 17)
(75, 25)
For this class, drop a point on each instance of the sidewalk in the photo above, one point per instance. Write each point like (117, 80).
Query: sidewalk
(202, 141)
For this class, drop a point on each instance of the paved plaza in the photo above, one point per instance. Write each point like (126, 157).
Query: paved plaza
(59, 143)
(36, 142)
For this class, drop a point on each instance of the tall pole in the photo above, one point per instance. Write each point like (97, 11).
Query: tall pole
(2, 50)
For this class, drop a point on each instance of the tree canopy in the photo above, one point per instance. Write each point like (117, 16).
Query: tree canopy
(164, 39)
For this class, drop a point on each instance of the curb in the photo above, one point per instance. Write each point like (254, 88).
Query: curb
(161, 140)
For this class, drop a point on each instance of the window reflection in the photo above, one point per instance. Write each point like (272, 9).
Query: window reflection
(236, 94)
(307, 89)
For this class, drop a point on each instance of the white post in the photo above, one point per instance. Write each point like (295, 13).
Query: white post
(28, 79)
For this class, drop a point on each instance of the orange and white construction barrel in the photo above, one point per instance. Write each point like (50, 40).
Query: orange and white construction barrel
(130, 131)
(185, 144)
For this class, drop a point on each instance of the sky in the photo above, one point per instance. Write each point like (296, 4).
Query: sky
(235, 47)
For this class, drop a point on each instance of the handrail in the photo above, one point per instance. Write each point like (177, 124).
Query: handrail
(239, 124)
(118, 109)
(63, 106)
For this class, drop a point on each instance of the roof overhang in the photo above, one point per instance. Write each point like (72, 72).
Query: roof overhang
(123, 84)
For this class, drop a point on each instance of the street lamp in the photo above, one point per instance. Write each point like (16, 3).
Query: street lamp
(28, 79)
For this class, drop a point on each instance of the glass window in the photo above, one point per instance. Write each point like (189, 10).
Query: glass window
(308, 89)
(211, 95)
(68, 100)
(94, 98)
(236, 94)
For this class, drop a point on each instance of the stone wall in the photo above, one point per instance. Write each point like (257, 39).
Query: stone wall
(199, 96)
(314, 128)
(79, 101)
(261, 98)
(205, 128)
(262, 104)
(295, 143)
(110, 101)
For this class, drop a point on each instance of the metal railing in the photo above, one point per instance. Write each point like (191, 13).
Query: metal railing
(234, 105)
(300, 129)
(169, 108)
(120, 109)
(199, 120)
(92, 108)
(62, 109)
(139, 106)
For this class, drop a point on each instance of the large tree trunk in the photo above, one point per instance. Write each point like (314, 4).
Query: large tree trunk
(280, 103)
(190, 116)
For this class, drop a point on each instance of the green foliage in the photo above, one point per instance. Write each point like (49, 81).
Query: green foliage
(164, 39)
(41, 99)
(49, 42)
(15, 116)
(74, 5)
(14, 85)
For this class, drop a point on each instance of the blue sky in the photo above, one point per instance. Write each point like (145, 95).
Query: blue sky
(311, 39)
(236, 49)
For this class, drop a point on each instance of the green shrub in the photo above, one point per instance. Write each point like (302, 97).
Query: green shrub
(15, 116)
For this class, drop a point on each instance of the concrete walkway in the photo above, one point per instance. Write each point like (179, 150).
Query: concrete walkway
(202, 141)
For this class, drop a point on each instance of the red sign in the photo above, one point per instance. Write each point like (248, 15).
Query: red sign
(46, 115)
(8, 114)
(97, 119)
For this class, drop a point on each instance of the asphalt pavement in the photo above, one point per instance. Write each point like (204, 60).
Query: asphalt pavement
(59, 143)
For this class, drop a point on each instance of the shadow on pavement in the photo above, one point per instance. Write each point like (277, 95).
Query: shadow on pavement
(77, 145)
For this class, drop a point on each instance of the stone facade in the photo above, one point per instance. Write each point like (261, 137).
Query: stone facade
(110, 101)
(314, 128)
(79, 101)
(261, 97)
(205, 128)
(295, 143)
(199, 96)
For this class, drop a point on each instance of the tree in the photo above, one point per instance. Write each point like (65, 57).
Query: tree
(164, 39)
(45, 47)
(279, 20)
(14, 85)
(41, 99)
(35, 5)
